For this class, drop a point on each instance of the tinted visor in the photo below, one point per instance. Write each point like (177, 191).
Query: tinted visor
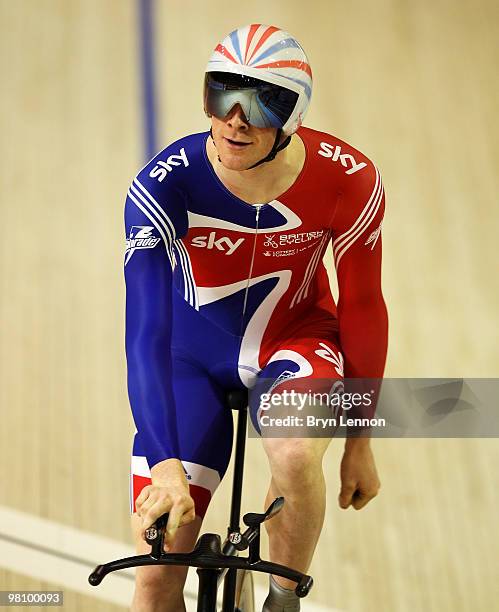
(263, 104)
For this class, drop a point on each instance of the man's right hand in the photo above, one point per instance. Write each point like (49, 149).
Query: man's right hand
(168, 493)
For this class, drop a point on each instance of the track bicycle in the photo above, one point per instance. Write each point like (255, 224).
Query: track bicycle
(217, 562)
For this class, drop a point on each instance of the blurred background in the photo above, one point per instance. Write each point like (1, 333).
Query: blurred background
(414, 85)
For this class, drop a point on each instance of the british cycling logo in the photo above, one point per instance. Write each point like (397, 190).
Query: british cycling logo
(161, 169)
(334, 152)
(141, 237)
(291, 239)
(282, 240)
(374, 236)
(269, 241)
(329, 355)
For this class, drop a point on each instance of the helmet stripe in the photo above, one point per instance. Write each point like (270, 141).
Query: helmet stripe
(251, 33)
(235, 41)
(289, 64)
(224, 51)
(306, 87)
(282, 44)
(268, 32)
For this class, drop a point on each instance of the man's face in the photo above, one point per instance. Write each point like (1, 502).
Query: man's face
(239, 144)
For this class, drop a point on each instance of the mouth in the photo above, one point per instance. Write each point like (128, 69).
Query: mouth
(236, 144)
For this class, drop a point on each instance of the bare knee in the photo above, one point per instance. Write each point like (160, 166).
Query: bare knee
(156, 580)
(157, 591)
(295, 463)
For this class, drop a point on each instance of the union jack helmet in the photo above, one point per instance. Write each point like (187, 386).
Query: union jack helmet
(264, 55)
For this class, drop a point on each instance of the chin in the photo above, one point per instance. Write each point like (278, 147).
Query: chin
(235, 163)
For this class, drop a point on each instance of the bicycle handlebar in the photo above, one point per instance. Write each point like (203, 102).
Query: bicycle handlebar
(207, 554)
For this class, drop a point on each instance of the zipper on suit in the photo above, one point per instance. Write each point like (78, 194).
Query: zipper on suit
(257, 219)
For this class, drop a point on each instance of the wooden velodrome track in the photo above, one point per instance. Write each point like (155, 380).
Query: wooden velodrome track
(413, 85)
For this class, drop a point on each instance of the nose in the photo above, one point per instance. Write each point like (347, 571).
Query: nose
(236, 118)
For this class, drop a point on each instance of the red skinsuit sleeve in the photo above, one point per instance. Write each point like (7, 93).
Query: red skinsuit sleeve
(362, 314)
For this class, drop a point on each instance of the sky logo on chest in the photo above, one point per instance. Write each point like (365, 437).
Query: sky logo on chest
(216, 240)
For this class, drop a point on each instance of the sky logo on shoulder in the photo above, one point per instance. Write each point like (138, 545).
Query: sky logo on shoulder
(141, 237)
(162, 168)
(346, 160)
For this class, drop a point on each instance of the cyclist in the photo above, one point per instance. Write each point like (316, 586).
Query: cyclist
(226, 231)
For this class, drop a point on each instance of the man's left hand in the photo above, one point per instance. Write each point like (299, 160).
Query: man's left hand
(359, 478)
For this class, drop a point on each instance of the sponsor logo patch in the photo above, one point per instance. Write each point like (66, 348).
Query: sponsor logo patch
(270, 240)
(346, 160)
(328, 354)
(141, 237)
(221, 244)
(162, 168)
(278, 241)
(283, 377)
(374, 237)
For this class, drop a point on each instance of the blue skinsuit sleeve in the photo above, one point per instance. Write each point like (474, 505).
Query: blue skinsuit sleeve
(149, 261)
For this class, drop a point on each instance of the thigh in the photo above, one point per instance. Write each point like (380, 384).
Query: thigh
(300, 378)
(205, 430)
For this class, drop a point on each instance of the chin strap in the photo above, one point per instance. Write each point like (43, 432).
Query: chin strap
(213, 141)
(276, 147)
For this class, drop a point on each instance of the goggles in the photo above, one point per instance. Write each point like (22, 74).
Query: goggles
(264, 104)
